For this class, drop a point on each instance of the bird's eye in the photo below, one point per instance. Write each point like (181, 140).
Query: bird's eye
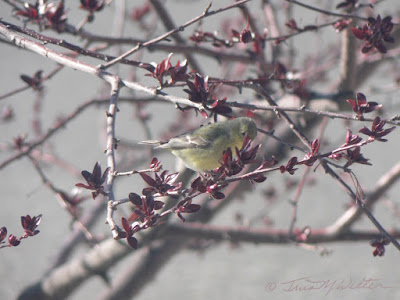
(243, 132)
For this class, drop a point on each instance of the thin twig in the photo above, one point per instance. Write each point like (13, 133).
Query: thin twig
(326, 12)
(206, 13)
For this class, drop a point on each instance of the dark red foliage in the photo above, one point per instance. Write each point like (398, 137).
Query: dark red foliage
(352, 155)
(375, 33)
(259, 178)
(126, 226)
(56, 16)
(179, 72)
(48, 15)
(268, 163)
(145, 207)
(214, 182)
(351, 139)
(163, 183)
(13, 240)
(200, 184)
(214, 190)
(132, 242)
(220, 107)
(245, 36)
(155, 165)
(200, 91)
(92, 5)
(342, 24)
(3, 233)
(355, 156)
(197, 185)
(30, 11)
(95, 180)
(186, 206)
(128, 233)
(377, 132)
(379, 245)
(135, 199)
(246, 155)
(160, 70)
(289, 166)
(230, 165)
(164, 68)
(209, 186)
(360, 106)
(29, 224)
(311, 157)
(34, 82)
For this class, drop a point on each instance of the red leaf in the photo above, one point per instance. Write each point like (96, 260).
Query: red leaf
(133, 217)
(150, 181)
(132, 242)
(135, 199)
(357, 33)
(193, 208)
(3, 233)
(126, 225)
(158, 205)
(217, 195)
(260, 178)
(181, 217)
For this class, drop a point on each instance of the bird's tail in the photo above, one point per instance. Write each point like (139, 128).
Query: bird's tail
(151, 142)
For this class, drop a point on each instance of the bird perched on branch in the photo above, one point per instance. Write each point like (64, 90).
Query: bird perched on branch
(201, 149)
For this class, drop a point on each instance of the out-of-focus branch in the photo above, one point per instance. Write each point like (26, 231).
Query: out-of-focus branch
(77, 235)
(305, 110)
(86, 68)
(173, 30)
(354, 213)
(170, 25)
(226, 55)
(76, 64)
(64, 44)
(110, 152)
(347, 62)
(326, 12)
(61, 125)
(61, 282)
(265, 235)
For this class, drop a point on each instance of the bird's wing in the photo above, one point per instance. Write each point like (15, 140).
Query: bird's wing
(186, 142)
(151, 142)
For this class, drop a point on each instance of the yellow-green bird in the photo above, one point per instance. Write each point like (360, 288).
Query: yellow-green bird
(201, 149)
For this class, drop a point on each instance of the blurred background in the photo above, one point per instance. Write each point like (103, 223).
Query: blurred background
(216, 270)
